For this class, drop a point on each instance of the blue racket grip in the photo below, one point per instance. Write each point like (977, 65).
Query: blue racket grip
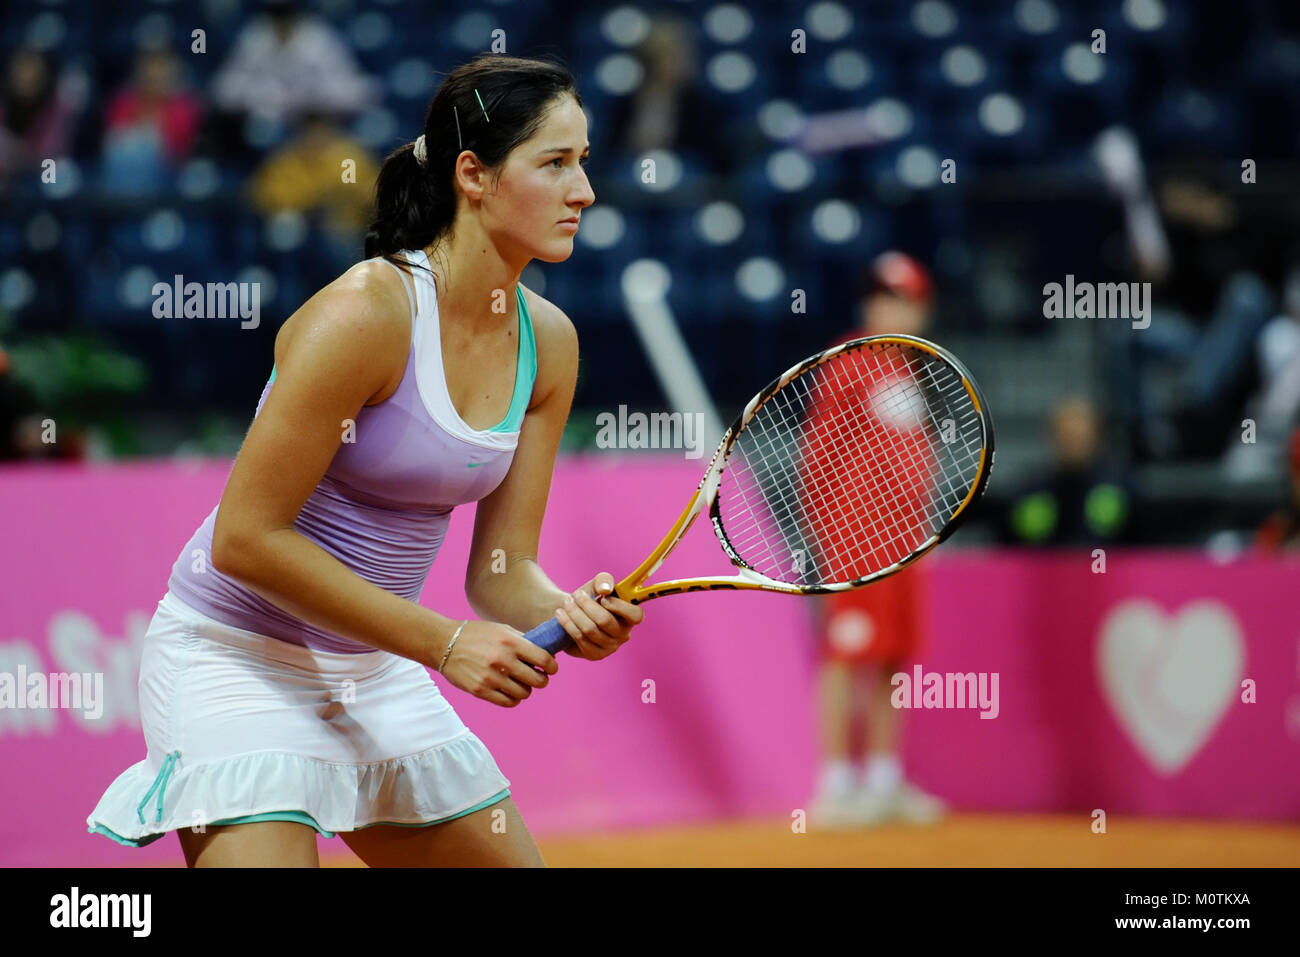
(551, 635)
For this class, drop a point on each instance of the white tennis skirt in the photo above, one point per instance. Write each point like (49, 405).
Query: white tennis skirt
(241, 727)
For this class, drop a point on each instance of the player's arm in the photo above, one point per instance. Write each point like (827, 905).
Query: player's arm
(503, 579)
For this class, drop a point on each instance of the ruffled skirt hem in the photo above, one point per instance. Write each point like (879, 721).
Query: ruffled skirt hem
(438, 784)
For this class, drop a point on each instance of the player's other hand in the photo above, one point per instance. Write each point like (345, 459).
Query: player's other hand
(498, 664)
(597, 620)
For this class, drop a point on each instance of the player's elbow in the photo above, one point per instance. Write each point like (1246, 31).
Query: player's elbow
(489, 588)
(481, 596)
(234, 550)
(225, 553)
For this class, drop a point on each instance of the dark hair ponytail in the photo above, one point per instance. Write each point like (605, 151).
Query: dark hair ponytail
(489, 106)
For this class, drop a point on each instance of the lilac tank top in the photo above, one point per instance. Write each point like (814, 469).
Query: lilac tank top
(383, 506)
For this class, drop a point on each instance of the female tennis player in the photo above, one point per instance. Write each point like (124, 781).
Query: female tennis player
(283, 682)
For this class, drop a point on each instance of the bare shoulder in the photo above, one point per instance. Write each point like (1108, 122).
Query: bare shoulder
(557, 344)
(549, 322)
(364, 312)
(368, 297)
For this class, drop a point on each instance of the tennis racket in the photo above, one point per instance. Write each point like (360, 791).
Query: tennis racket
(844, 470)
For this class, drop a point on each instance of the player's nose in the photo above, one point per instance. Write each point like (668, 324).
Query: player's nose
(583, 195)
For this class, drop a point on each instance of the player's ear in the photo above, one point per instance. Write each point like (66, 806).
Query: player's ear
(471, 176)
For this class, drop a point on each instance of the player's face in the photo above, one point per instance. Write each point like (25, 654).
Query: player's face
(543, 187)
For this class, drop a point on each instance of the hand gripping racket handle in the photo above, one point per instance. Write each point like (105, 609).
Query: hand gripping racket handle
(551, 635)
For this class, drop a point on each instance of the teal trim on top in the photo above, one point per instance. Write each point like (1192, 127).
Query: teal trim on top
(525, 371)
(272, 379)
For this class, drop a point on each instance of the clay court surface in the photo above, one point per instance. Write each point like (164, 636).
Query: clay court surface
(963, 840)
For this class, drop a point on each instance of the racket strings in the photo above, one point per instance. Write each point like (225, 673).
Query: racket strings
(909, 487)
(878, 498)
(839, 512)
(844, 515)
(852, 466)
(901, 482)
(783, 508)
(898, 395)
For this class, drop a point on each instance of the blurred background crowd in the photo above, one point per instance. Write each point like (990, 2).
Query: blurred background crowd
(1002, 145)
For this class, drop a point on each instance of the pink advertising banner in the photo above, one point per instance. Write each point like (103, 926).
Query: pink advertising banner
(1161, 684)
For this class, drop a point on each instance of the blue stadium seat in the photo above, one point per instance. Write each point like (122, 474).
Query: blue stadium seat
(1025, 143)
(11, 240)
(817, 92)
(689, 243)
(1185, 116)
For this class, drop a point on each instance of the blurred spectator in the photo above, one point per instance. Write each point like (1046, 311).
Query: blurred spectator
(1275, 406)
(872, 632)
(287, 62)
(306, 176)
(1083, 499)
(894, 297)
(668, 110)
(1281, 530)
(150, 125)
(1218, 304)
(37, 113)
(1208, 303)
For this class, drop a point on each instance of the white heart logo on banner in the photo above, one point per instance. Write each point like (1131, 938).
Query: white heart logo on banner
(1170, 679)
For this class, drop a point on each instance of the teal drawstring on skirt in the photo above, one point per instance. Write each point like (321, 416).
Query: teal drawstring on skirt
(159, 785)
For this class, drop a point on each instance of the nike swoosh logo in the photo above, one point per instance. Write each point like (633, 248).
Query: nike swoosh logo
(472, 465)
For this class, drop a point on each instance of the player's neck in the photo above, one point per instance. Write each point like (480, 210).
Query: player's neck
(475, 279)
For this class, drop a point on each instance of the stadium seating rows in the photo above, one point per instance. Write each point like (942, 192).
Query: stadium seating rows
(993, 85)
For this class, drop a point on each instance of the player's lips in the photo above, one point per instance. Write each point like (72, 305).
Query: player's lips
(571, 221)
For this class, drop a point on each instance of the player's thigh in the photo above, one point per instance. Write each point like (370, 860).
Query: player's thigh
(260, 844)
(494, 836)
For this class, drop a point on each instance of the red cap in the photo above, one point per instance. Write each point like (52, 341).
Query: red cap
(902, 275)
